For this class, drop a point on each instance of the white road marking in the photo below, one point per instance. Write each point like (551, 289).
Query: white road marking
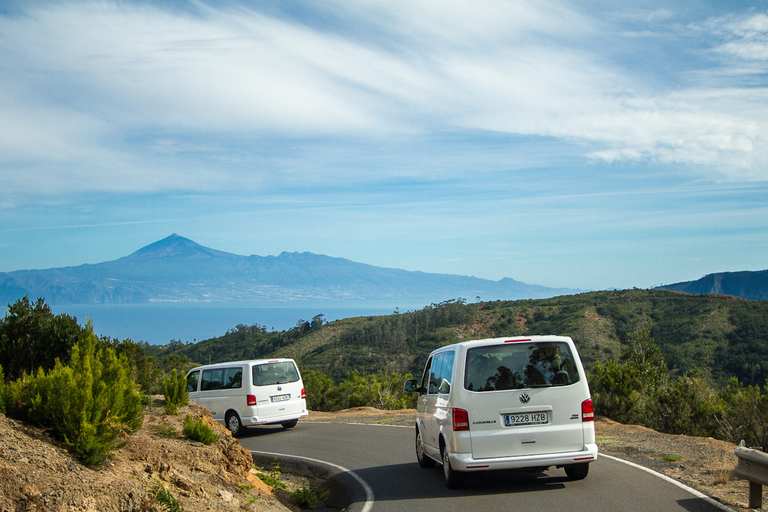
(696, 493)
(369, 498)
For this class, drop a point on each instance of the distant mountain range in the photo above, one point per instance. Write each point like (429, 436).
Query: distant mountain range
(177, 269)
(747, 285)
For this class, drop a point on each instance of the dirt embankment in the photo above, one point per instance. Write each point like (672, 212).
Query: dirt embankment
(37, 473)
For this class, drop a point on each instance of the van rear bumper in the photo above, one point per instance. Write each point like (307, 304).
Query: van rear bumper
(255, 420)
(465, 461)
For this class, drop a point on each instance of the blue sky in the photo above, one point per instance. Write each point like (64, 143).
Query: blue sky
(577, 144)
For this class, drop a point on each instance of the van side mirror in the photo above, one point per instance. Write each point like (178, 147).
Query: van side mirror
(412, 386)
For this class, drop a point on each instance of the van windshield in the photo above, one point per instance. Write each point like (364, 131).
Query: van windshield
(269, 374)
(519, 365)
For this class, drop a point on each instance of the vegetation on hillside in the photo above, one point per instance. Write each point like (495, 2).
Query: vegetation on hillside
(676, 362)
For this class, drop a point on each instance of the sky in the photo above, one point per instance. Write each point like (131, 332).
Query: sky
(581, 144)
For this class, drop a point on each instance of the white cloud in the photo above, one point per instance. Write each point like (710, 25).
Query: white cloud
(84, 80)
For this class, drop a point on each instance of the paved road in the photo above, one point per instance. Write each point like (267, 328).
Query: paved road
(383, 456)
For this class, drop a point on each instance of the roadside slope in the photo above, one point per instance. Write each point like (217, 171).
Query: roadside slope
(38, 473)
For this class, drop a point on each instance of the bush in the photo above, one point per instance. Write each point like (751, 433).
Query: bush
(92, 402)
(164, 497)
(31, 336)
(307, 497)
(197, 430)
(175, 392)
(380, 390)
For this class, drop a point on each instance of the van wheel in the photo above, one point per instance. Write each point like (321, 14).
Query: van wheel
(453, 479)
(577, 471)
(234, 425)
(424, 460)
(289, 424)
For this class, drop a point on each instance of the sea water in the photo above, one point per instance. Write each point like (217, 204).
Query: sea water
(161, 323)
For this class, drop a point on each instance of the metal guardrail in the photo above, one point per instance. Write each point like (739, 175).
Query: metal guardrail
(753, 466)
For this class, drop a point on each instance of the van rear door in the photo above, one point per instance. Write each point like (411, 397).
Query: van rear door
(278, 388)
(526, 399)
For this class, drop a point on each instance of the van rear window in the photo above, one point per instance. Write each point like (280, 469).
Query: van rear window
(269, 374)
(519, 365)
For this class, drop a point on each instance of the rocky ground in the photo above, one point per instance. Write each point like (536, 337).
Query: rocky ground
(37, 473)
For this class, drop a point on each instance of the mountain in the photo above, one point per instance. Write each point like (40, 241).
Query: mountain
(747, 285)
(177, 269)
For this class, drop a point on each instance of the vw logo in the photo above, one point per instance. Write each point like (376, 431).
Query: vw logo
(279, 388)
(525, 398)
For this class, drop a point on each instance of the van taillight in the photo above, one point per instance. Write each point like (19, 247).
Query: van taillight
(251, 400)
(460, 420)
(587, 410)
(303, 394)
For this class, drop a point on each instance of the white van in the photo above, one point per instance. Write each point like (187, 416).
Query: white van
(244, 393)
(505, 403)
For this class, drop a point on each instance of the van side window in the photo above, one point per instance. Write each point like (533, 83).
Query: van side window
(519, 365)
(425, 376)
(221, 378)
(441, 373)
(192, 380)
(233, 378)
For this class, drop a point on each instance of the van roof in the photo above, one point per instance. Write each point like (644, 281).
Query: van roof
(245, 362)
(506, 339)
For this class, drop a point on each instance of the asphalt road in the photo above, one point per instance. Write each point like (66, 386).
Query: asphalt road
(384, 458)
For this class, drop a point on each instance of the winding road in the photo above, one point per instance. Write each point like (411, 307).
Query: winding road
(382, 461)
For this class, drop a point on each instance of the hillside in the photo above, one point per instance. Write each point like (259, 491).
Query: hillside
(721, 336)
(177, 269)
(748, 285)
(37, 472)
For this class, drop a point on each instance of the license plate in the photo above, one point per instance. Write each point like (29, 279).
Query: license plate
(526, 418)
(280, 398)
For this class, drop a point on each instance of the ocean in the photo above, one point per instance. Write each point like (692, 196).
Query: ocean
(157, 324)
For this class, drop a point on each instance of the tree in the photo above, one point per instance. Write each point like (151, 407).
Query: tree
(32, 337)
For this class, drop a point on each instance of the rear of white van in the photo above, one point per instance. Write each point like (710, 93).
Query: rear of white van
(243, 393)
(277, 393)
(513, 403)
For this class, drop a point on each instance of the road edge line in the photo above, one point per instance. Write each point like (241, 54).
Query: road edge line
(369, 497)
(698, 494)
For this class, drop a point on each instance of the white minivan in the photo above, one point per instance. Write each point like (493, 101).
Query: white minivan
(505, 403)
(244, 393)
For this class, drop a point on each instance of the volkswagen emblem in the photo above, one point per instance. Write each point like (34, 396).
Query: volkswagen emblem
(280, 388)
(525, 398)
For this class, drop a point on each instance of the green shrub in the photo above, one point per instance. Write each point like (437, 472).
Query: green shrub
(92, 402)
(164, 497)
(381, 390)
(272, 478)
(307, 497)
(197, 430)
(175, 392)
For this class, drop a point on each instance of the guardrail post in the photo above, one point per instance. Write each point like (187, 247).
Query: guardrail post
(755, 495)
(753, 466)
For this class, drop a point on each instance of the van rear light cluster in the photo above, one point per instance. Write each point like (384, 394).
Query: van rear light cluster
(460, 420)
(303, 394)
(251, 400)
(587, 410)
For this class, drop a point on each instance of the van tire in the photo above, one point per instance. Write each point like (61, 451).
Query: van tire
(290, 424)
(425, 461)
(234, 425)
(453, 479)
(577, 471)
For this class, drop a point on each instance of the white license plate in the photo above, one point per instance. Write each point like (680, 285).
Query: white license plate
(526, 418)
(281, 398)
